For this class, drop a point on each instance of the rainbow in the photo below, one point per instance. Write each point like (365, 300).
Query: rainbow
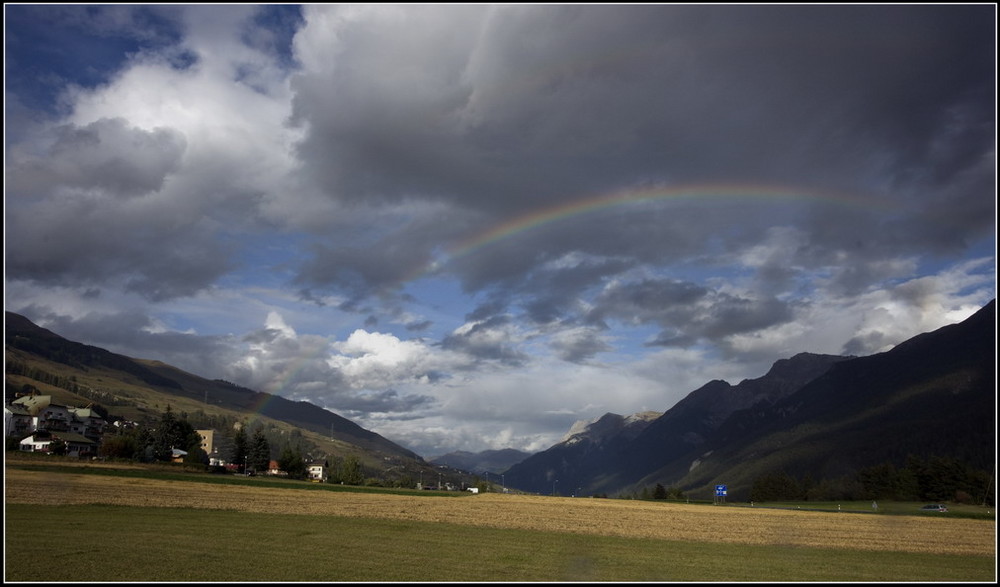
(694, 193)
(272, 388)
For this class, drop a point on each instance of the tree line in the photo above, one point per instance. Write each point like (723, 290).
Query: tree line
(934, 478)
(248, 451)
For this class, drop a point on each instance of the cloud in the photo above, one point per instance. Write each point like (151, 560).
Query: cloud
(496, 338)
(377, 360)
(106, 156)
(579, 344)
(479, 224)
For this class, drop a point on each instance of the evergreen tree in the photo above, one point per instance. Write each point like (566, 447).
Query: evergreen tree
(196, 456)
(259, 452)
(775, 486)
(240, 453)
(161, 438)
(291, 462)
(172, 432)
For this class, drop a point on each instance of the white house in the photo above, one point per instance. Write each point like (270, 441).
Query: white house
(317, 472)
(37, 412)
(77, 445)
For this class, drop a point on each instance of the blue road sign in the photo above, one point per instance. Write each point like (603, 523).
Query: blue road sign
(720, 490)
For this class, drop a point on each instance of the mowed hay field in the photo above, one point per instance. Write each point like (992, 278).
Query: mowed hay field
(866, 542)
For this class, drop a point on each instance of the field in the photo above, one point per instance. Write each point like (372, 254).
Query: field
(166, 529)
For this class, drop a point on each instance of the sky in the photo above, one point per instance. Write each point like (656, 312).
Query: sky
(467, 227)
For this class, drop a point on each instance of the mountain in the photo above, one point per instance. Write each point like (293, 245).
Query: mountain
(672, 443)
(137, 389)
(589, 456)
(931, 396)
(487, 461)
(820, 416)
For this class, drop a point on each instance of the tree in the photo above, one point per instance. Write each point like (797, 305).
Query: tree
(240, 452)
(196, 456)
(675, 493)
(259, 455)
(351, 472)
(172, 432)
(775, 486)
(58, 447)
(120, 446)
(880, 481)
(659, 492)
(291, 462)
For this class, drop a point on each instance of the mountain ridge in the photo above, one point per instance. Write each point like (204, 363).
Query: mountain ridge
(810, 414)
(720, 433)
(146, 384)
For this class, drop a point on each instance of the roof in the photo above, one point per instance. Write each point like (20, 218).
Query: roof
(17, 409)
(70, 437)
(73, 437)
(34, 403)
(85, 413)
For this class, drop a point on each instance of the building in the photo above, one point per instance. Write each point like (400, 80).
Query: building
(87, 422)
(207, 440)
(317, 471)
(17, 420)
(37, 413)
(77, 445)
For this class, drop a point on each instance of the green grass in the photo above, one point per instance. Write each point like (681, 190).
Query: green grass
(894, 508)
(86, 543)
(179, 473)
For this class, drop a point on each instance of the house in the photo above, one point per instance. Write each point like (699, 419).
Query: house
(42, 414)
(273, 468)
(77, 445)
(87, 422)
(17, 420)
(35, 412)
(317, 471)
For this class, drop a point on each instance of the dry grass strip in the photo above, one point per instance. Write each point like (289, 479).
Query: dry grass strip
(609, 517)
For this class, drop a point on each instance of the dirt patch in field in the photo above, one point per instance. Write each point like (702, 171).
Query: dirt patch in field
(610, 517)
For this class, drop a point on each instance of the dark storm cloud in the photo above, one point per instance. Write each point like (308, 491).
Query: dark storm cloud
(108, 155)
(489, 339)
(519, 108)
(579, 345)
(649, 300)
(374, 253)
(75, 216)
(559, 101)
(545, 290)
(388, 401)
(687, 312)
(82, 245)
(133, 334)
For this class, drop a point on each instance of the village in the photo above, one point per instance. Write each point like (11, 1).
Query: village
(41, 426)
